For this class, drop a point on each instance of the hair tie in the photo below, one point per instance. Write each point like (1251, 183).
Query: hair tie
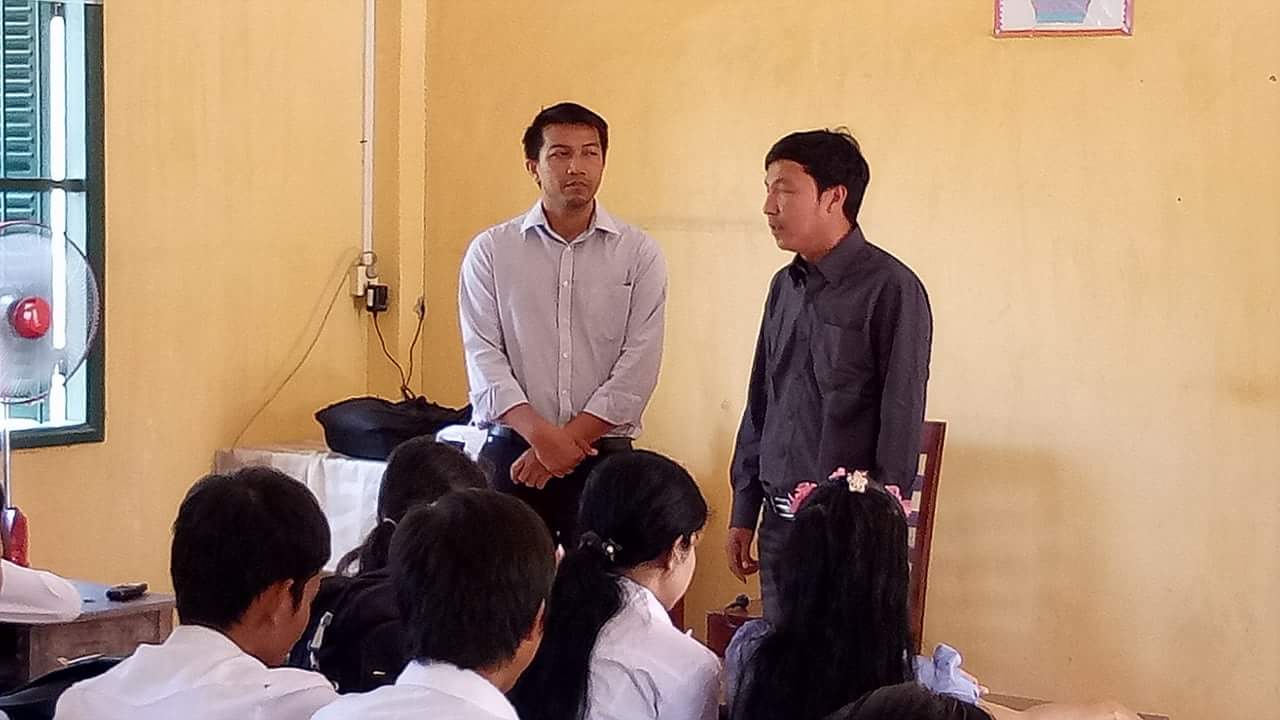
(857, 480)
(593, 541)
(388, 520)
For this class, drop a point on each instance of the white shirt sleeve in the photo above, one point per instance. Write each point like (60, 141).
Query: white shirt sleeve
(493, 384)
(622, 398)
(36, 596)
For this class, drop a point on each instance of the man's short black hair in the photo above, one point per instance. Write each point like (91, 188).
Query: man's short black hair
(237, 535)
(565, 113)
(831, 158)
(471, 573)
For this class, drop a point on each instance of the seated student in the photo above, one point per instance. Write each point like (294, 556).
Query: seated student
(908, 701)
(360, 646)
(472, 574)
(611, 650)
(911, 701)
(34, 596)
(245, 562)
(842, 630)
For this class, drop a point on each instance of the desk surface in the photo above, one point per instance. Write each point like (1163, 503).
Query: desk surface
(1015, 702)
(96, 606)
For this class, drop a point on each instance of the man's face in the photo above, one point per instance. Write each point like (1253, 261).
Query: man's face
(799, 216)
(569, 166)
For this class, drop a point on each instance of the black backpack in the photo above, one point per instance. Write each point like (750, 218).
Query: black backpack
(371, 427)
(354, 637)
(37, 699)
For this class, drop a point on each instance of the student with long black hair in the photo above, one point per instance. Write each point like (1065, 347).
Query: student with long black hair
(842, 630)
(354, 637)
(610, 649)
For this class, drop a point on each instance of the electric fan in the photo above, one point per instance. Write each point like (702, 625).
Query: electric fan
(48, 318)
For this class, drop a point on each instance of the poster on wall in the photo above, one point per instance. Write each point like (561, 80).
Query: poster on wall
(1063, 17)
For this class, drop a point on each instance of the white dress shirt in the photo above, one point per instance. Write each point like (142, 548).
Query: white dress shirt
(643, 667)
(568, 326)
(438, 691)
(34, 596)
(197, 674)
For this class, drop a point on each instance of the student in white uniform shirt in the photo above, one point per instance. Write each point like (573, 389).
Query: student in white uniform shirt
(35, 596)
(472, 574)
(611, 650)
(245, 562)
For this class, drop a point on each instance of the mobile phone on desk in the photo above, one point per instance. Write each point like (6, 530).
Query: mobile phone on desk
(126, 591)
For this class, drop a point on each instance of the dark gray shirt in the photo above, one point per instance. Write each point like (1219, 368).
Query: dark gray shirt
(839, 376)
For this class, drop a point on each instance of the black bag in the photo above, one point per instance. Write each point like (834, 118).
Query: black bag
(370, 427)
(354, 637)
(37, 699)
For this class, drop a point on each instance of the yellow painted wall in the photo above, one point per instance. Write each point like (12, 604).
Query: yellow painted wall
(233, 195)
(1095, 220)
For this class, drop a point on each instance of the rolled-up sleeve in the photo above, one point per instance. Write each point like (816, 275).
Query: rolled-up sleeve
(493, 386)
(622, 398)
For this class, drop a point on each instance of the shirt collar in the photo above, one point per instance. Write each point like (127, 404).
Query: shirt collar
(463, 684)
(836, 264)
(600, 220)
(642, 598)
(209, 642)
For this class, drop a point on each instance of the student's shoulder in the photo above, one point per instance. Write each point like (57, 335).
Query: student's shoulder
(392, 701)
(748, 638)
(289, 679)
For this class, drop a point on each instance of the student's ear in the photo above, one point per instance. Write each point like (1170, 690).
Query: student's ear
(539, 623)
(279, 600)
(672, 556)
(532, 167)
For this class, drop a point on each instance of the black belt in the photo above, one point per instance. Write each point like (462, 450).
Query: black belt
(604, 444)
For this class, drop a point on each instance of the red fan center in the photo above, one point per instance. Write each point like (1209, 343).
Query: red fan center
(31, 317)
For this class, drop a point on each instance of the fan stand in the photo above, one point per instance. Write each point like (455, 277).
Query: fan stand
(13, 524)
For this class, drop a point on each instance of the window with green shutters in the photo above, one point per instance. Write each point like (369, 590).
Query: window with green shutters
(51, 172)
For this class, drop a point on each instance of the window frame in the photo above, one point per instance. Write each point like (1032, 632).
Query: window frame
(93, 429)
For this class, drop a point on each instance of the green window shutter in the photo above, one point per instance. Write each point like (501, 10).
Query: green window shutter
(21, 101)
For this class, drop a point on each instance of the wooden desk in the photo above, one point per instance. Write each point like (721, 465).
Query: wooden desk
(1015, 702)
(103, 628)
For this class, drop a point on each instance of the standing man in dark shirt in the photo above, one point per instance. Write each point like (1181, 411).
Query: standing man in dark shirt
(842, 359)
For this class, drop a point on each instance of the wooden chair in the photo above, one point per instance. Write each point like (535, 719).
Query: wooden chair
(722, 624)
(924, 501)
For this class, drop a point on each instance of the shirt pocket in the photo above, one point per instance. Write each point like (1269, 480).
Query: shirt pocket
(607, 310)
(844, 359)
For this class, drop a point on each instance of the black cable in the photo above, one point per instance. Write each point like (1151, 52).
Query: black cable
(422, 317)
(383, 342)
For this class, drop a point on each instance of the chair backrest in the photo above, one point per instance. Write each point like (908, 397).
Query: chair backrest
(924, 500)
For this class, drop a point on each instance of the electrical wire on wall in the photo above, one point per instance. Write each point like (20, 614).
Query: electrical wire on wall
(406, 376)
(347, 264)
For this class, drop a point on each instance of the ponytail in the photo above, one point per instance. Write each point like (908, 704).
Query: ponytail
(585, 596)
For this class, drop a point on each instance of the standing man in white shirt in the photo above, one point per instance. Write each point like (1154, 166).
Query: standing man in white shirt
(246, 559)
(472, 573)
(562, 313)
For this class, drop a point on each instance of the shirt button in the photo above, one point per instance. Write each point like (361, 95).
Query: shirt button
(565, 355)
(565, 283)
